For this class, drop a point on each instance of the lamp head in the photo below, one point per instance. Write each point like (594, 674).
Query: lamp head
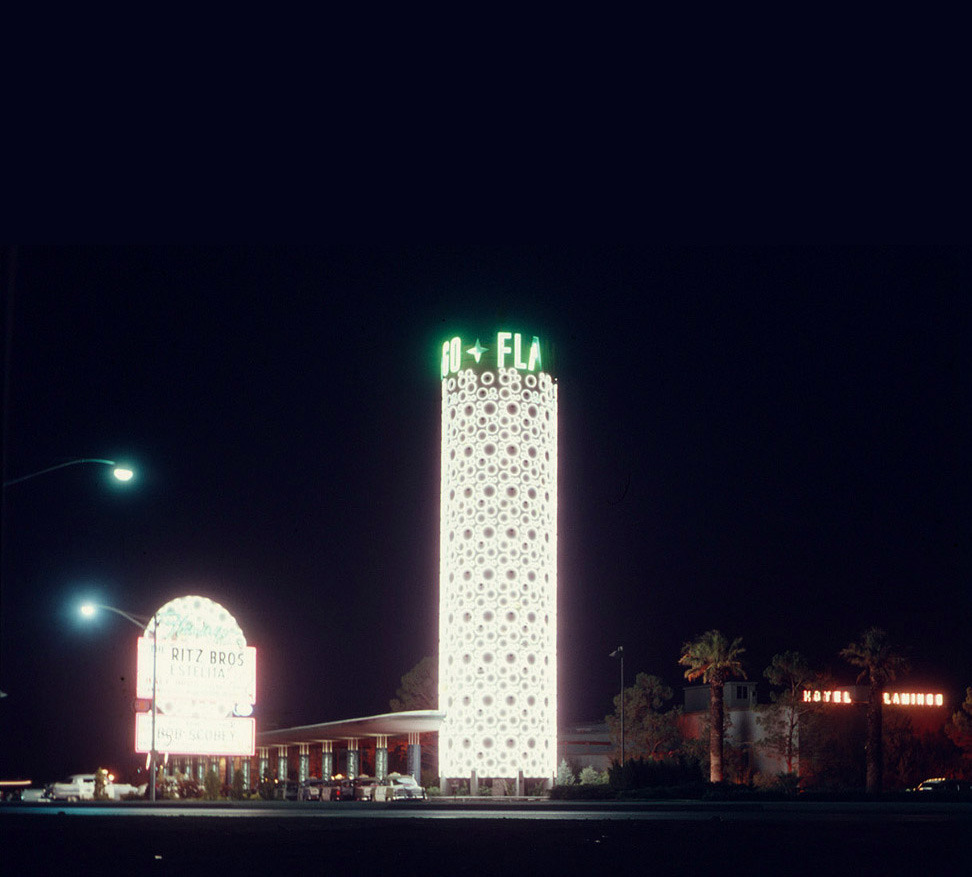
(122, 473)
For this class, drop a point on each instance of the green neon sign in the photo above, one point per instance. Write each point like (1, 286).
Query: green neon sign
(508, 350)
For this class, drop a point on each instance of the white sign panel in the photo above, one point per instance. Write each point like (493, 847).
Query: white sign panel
(194, 619)
(197, 672)
(185, 736)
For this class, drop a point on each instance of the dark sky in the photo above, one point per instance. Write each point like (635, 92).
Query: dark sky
(774, 442)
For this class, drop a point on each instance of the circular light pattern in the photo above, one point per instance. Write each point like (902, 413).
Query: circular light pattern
(498, 575)
(189, 619)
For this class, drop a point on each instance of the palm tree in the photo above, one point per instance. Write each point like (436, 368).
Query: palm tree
(879, 664)
(713, 659)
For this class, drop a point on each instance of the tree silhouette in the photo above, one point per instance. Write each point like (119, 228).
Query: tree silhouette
(713, 659)
(879, 664)
(419, 689)
(959, 728)
(648, 728)
(781, 719)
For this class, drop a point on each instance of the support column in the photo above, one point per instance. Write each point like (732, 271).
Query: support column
(381, 756)
(263, 764)
(327, 759)
(303, 761)
(281, 763)
(245, 767)
(473, 783)
(201, 768)
(354, 757)
(230, 770)
(413, 759)
(519, 784)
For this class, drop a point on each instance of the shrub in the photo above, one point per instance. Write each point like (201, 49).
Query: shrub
(189, 788)
(101, 784)
(212, 785)
(565, 776)
(637, 773)
(590, 776)
(236, 791)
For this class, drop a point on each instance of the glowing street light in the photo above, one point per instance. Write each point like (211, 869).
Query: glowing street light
(88, 610)
(122, 473)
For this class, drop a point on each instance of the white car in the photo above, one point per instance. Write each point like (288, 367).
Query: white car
(119, 791)
(402, 786)
(77, 787)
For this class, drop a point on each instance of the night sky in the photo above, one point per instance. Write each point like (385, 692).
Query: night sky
(771, 441)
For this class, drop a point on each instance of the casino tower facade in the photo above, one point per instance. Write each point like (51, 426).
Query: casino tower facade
(498, 560)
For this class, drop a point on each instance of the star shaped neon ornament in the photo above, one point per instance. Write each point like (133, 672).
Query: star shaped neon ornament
(477, 351)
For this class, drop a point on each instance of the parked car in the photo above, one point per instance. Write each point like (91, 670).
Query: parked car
(287, 790)
(945, 786)
(21, 790)
(363, 788)
(120, 791)
(311, 789)
(404, 787)
(315, 789)
(77, 787)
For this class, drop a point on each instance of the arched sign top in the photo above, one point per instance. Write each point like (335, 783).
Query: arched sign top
(195, 619)
(502, 350)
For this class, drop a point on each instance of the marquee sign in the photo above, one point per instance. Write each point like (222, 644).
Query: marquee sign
(911, 698)
(193, 620)
(194, 736)
(197, 673)
(889, 698)
(201, 675)
(833, 696)
(505, 350)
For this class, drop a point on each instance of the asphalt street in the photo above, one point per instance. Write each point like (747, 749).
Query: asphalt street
(536, 839)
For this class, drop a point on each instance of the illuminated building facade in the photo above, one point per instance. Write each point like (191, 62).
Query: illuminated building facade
(498, 560)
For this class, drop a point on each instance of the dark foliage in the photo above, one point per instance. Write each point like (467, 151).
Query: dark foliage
(237, 791)
(189, 788)
(639, 773)
(580, 792)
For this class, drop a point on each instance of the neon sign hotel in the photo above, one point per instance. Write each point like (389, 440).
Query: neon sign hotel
(498, 560)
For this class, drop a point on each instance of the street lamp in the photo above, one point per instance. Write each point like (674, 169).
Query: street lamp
(88, 610)
(122, 473)
(619, 653)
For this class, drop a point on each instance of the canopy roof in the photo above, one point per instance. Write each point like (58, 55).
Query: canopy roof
(411, 721)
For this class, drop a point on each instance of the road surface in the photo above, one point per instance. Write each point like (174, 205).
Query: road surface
(547, 838)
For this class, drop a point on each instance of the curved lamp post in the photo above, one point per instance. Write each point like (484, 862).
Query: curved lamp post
(619, 653)
(88, 610)
(122, 473)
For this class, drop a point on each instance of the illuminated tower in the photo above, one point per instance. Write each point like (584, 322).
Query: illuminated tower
(498, 560)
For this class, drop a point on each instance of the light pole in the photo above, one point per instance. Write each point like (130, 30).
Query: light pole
(88, 610)
(122, 473)
(619, 653)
